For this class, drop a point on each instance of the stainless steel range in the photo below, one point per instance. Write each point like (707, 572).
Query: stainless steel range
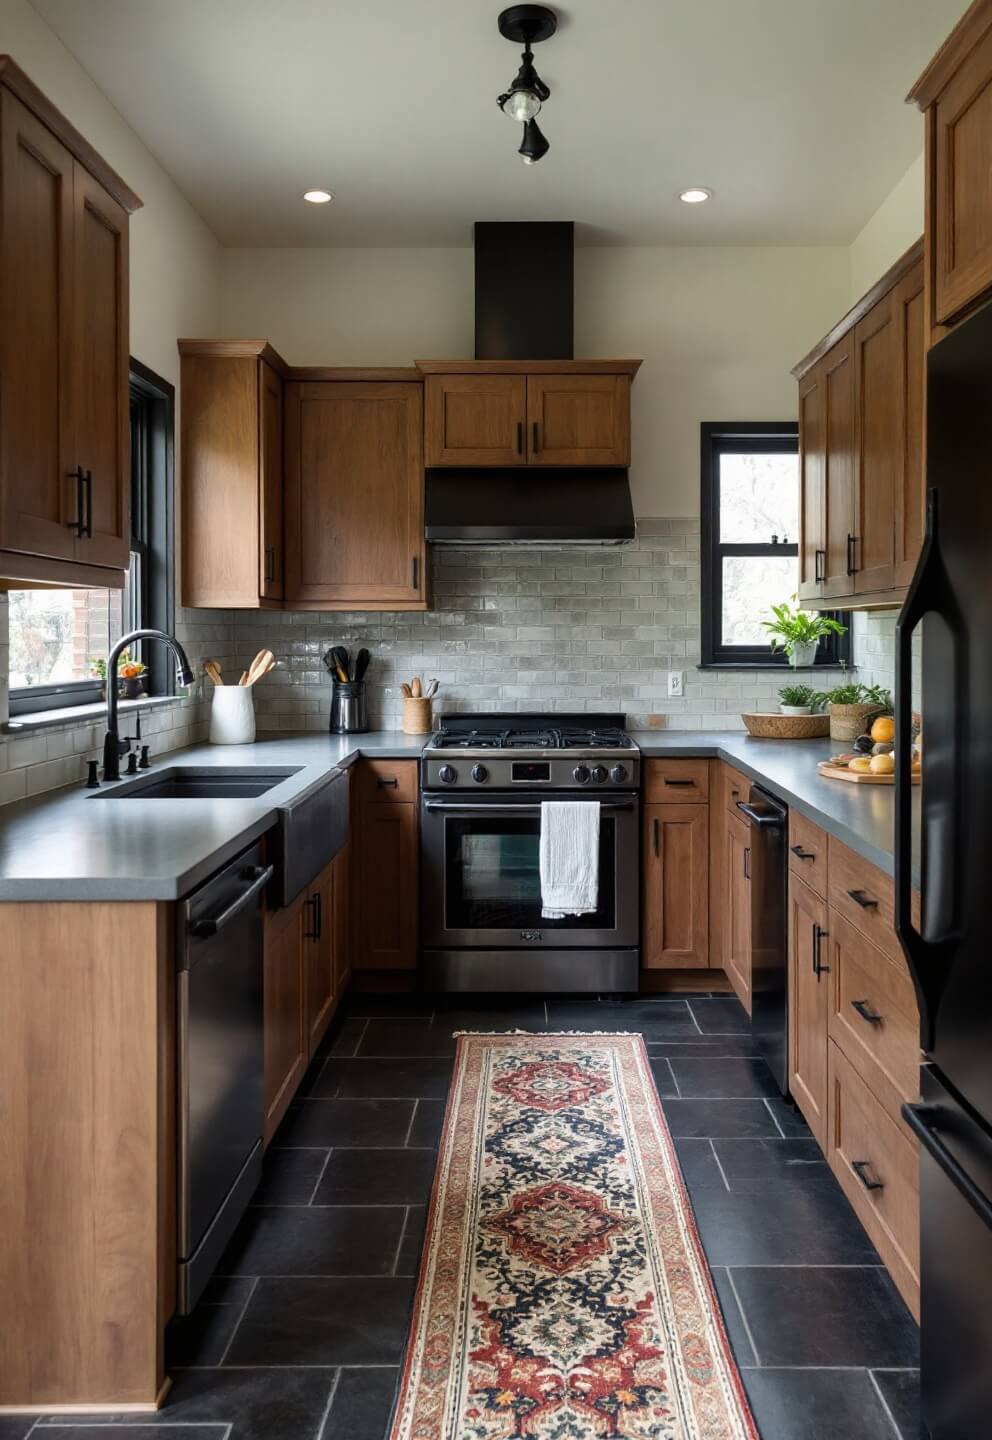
(483, 778)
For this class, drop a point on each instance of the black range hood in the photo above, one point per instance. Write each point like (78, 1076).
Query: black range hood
(522, 506)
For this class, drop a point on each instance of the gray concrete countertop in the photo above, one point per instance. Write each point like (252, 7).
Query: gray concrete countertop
(77, 844)
(74, 844)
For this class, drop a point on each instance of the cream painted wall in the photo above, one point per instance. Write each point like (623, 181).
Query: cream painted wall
(718, 328)
(175, 260)
(896, 223)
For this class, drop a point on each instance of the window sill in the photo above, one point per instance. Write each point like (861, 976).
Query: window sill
(79, 714)
(770, 667)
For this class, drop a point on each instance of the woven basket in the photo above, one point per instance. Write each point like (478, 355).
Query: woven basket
(847, 722)
(787, 727)
(417, 715)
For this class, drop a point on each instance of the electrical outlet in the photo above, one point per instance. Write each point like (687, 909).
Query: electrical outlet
(676, 685)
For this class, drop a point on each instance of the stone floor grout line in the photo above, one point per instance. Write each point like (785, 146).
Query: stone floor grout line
(723, 1173)
(409, 1128)
(885, 1405)
(694, 1020)
(771, 1112)
(675, 1079)
(237, 1323)
(744, 1319)
(399, 1243)
(327, 1158)
(327, 1408)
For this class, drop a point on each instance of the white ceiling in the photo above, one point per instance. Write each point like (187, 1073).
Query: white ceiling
(790, 110)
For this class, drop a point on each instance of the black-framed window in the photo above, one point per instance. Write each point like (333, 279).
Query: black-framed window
(749, 510)
(57, 636)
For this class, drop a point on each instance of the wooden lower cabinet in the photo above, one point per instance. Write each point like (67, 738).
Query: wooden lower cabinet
(809, 1005)
(675, 929)
(737, 892)
(318, 949)
(385, 890)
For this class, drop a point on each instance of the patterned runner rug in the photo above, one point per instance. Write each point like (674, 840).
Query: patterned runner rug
(563, 1293)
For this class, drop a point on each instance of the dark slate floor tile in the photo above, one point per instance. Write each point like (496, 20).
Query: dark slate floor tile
(662, 1019)
(408, 1260)
(363, 1404)
(525, 1016)
(203, 1337)
(737, 1079)
(816, 1405)
(698, 1163)
(260, 1404)
(674, 1023)
(826, 1316)
(289, 1176)
(227, 1290)
(401, 1006)
(324, 1322)
(798, 1225)
(377, 1177)
(901, 1392)
(788, 1119)
(342, 1039)
(428, 1123)
(719, 1117)
(406, 1037)
(772, 1162)
(15, 1427)
(349, 1240)
(392, 1079)
(319, 1122)
(664, 1080)
(703, 1047)
(125, 1431)
(732, 1318)
(721, 1015)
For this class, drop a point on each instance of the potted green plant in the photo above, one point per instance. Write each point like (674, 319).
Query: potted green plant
(850, 706)
(799, 700)
(98, 667)
(798, 632)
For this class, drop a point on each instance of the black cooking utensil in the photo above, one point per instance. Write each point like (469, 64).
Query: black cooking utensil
(341, 656)
(362, 663)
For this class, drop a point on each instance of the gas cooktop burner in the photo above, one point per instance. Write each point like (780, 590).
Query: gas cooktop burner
(551, 738)
(556, 752)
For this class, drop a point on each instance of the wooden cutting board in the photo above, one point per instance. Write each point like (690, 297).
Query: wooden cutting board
(859, 777)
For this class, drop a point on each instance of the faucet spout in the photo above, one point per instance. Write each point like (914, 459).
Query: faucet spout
(113, 746)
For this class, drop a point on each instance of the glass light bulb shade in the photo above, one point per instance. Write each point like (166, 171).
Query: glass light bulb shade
(521, 105)
(695, 195)
(318, 197)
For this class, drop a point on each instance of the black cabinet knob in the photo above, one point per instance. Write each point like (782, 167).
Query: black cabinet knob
(479, 774)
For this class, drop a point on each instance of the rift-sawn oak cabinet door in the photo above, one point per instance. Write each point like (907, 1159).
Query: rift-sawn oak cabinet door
(578, 419)
(838, 475)
(809, 1005)
(385, 888)
(676, 887)
(475, 419)
(812, 458)
(910, 505)
(877, 387)
(37, 495)
(354, 495)
(318, 950)
(270, 539)
(285, 1019)
(737, 952)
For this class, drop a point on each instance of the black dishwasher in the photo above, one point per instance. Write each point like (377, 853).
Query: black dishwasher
(768, 870)
(220, 1098)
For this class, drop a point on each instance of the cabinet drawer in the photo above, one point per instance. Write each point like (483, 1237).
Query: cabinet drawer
(877, 1163)
(735, 787)
(681, 782)
(873, 1016)
(863, 895)
(808, 852)
(387, 780)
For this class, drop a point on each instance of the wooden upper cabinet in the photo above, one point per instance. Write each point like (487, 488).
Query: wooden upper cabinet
(910, 500)
(64, 440)
(838, 469)
(955, 92)
(812, 543)
(475, 420)
(876, 368)
(354, 495)
(232, 479)
(676, 887)
(578, 419)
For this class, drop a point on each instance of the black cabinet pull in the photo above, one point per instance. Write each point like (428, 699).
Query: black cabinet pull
(860, 1167)
(803, 854)
(387, 782)
(866, 1012)
(747, 862)
(818, 967)
(416, 572)
(319, 914)
(88, 496)
(314, 903)
(656, 825)
(270, 562)
(852, 540)
(865, 901)
(520, 437)
(536, 432)
(818, 557)
(83, 523)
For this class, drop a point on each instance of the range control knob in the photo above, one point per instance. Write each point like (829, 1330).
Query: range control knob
(581, 774)
(599, 773)
(479, 773)
(618, 774)
(447, 774)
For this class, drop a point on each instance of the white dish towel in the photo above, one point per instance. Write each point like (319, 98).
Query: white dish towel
(569, 858)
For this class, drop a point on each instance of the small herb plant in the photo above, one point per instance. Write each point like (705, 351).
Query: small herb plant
(797, 696)
(856, 694)
(792, 627)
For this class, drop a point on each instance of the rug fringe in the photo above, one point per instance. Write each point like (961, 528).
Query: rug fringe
(542, 1034)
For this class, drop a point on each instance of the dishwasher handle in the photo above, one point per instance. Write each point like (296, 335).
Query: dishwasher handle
(760, 818)
(259, 875)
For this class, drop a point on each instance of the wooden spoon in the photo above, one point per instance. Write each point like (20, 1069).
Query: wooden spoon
(213, 670)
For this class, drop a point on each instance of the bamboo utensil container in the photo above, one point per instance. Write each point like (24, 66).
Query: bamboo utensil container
(417, 715)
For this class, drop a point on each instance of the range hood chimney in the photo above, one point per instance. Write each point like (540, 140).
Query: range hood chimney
(524, 294)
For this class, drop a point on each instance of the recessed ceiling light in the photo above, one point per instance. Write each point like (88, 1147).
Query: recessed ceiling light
(695, 195)
(318, 197)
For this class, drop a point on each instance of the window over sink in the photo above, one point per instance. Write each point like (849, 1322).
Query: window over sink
(749, 510)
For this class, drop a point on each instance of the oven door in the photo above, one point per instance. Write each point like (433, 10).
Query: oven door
(481, 881)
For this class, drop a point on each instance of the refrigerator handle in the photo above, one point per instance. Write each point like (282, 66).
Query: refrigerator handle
(923, 1120)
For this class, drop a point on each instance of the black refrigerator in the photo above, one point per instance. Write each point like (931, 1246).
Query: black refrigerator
(951, 858)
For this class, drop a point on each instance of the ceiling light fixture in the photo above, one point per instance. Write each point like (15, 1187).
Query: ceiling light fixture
(695, 195)
(318, 197)
(527, 25)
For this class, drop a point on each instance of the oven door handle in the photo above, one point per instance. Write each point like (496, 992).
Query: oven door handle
(453, 807)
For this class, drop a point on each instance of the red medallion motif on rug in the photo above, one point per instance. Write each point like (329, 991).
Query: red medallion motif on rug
(563, 1293)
